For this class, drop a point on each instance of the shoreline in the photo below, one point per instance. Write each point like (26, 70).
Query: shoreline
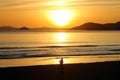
(55, 60)
(83, 71)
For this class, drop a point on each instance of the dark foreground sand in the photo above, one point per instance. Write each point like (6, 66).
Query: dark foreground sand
(91, 71)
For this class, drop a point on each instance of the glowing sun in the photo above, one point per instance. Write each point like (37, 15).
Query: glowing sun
(61, 17)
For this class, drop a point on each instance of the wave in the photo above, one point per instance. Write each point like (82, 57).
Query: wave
(47, 51)
(57, 46)
(16, 56)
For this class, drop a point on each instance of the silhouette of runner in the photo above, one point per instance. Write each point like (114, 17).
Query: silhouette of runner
(61, 64)
(61, 67)
(61, 61)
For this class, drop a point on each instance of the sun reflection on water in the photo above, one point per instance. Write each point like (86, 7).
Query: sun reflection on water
(61, 38)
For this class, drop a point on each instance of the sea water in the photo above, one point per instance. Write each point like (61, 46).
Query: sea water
(39, 44)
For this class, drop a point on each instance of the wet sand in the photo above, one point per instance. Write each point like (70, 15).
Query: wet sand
(86, 71)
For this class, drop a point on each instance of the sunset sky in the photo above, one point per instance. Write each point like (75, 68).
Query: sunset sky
(57, 13)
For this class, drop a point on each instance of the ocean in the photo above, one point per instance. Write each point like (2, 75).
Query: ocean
(44, 44)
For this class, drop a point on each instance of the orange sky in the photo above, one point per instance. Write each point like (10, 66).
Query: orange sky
(36, 13)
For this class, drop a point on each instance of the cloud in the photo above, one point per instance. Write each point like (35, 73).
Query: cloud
(51, 4)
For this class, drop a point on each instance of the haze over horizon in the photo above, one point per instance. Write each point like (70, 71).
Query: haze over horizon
(58, 13)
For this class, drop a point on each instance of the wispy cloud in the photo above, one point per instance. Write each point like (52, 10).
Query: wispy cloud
(47, 4)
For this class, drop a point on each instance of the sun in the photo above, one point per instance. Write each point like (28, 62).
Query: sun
(61, 17)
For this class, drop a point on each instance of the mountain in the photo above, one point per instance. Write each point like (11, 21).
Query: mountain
(42, 28)
(98, 26)
(24, 28)
(89, 26)
(13, 28)
(85, 26)
(7, 28)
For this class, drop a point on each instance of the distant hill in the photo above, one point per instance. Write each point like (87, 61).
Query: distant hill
(85, 26)
(24, 28)
(13, 28)
(7, 28)
(48, 28)
(42, 28)
(98, 26)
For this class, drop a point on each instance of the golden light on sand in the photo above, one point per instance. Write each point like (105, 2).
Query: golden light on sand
(57, 61)
(61, 17)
